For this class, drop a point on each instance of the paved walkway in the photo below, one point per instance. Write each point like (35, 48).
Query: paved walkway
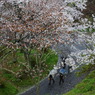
(55, 89)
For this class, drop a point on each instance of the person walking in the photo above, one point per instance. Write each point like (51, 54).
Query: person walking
(61, 78)
(51, 79)
(62, 73)
(52, 74)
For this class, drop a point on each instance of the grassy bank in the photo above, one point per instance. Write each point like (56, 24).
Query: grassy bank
(86, 87)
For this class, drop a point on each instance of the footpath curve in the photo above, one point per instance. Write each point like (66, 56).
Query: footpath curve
(55, 89)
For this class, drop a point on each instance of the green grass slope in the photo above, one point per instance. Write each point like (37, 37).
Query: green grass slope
(86, 87)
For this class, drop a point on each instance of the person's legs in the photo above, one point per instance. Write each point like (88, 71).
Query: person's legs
(49, 81)
(53, 80)
(63, 79)
(50, 78)
(60, 81)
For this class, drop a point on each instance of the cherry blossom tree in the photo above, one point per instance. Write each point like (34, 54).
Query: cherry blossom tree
(29, 24)
(38, 24)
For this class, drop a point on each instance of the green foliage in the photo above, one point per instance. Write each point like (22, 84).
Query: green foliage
(33, 61)
(88, 30)
(8, 89)
(85, 69)
(20, 56)
(71, 4)
(86, 87)
(22, 76)
(52, 60)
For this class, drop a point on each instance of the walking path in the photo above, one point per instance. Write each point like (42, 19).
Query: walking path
(55, 89)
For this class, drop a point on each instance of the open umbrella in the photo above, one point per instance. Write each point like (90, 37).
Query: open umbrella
(62, 71)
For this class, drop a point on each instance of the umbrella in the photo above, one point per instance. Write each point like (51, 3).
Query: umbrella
(63, 71)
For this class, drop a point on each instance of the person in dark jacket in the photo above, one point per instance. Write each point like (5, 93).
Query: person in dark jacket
(61, 75)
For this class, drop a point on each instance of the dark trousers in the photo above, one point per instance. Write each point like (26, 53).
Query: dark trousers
(51, 80)
(61, 79)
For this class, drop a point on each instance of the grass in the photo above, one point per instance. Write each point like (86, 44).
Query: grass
(15, 84)
(8, 89)
(51, 60)
(86, 87)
